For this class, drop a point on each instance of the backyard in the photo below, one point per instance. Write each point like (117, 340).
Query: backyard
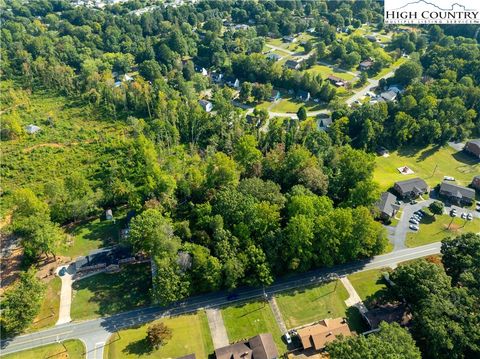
(326, 71)
(430, 163)
(190, 334)
(249, 319)
(435, 229)
(75, 350)
(369, 285)
(106, 294)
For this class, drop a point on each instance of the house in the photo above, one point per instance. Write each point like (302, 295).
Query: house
(476, 182)
(473, 147)
(206, 105)
(337, 81)
(232, 82)
(216, 77)
(261, 346)
(395, 89)
(317, 336)
(201, 70)
(241, 27)
(371, 38)
(275, 95)
(273, 56)
(32, 129)
(293, 64)
(303, 95)
(365, 65)
(457, 194)
(388, 95)
(127, 78)
(108, 215)
(387, 206)
(289, 39)
(324, 123)
(411, 188)
(390, 313)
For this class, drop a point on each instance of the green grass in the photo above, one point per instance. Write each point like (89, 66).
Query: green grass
(190, 334)
(75, 350)
(48, 314)
(388, 248)
(307, 305)
(392, 67)
(94, 234)
(434, 230)
(249, 319)
(369, 285)
(291, 105)
(106, 294)
(326, 71)
(430, 163)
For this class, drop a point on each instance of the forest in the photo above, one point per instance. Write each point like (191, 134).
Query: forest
(247, 205)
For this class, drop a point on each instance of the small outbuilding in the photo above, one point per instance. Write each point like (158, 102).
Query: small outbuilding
(206, 105)
(32, 129)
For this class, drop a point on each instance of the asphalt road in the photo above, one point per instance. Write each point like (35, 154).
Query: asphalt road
(95, 333)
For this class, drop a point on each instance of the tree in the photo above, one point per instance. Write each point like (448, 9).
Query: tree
(408, 72)
(302, 113)
(152, 233)
(436, 207)
(245, 91)
(222, 171)
(21, 303)
(247, 154)
(158, 334)
(461, 260)
(391, 341)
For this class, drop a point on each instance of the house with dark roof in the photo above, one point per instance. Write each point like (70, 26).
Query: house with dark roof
(387, 205)
(390, 313)
(337, 81)
(476, 182)
(232, 82)
(261, 346)
(457, 194)
(473, 147)
(273, 56)
(293, 64)
(389, 95)
(411, 188)
(318, 335)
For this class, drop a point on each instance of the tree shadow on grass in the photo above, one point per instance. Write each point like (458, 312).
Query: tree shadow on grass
(427, 153)
(140, 347)
(465, 158)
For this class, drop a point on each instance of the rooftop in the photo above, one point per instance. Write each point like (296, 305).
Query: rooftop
(457, 191)
(261, 346)
(318, 335)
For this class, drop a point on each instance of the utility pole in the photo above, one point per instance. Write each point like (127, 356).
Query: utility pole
(435, 169)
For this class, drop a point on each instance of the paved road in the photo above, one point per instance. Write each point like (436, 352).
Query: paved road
(95, 332)
(372, 83)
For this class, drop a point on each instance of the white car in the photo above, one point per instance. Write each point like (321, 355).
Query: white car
(413, 227)
(464, 215)
(413, 221)
(448, 178)
(469, 216)
(288, 338)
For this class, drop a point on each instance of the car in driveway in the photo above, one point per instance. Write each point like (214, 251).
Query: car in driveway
(414, 227)
(288, 338)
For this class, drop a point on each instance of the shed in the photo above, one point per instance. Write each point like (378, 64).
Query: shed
(32, 129)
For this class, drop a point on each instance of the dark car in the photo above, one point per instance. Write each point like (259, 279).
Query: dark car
(62, 271)
(232, 296)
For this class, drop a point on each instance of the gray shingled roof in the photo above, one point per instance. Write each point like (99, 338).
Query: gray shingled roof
(457, 191)
(412, 185)
(387, 203)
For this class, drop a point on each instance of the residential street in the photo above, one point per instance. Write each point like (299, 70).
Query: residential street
(94, 333)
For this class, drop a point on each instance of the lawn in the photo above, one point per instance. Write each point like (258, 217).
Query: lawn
(308, 305)
(249, 319)
(392, 67)
(48, 314)
(430, 163)
(75, 350)
(190, 334)
(107, 294)
(434, 230)
(369, 285)
(326, 71)
(94, 234)
(290, 105)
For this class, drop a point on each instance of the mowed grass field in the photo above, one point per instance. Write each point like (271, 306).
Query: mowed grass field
(434, 230)
(75, 350)
(249, 319)
(430, 164)
(190, 334)
(326, 71)
(369, 285)
(106, 294)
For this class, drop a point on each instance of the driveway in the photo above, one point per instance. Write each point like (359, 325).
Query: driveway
(402, 229)
(217, 328)
(65, 295)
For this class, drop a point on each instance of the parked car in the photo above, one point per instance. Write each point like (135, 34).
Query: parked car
(62, 271)
(413, 221)
(422, 212)
(413, 201)
(413, 227)
(448, 178)
(478, 208)
(453, 213)
(464, 215)
(288, 338)
(469, 216)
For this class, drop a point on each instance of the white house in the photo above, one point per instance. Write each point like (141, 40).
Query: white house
(32, 129)
(206, 105)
